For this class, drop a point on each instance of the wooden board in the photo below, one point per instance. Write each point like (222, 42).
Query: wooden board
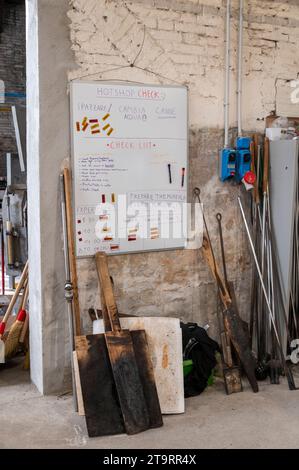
(146, 373)
(146, 369)
(81, 411)
(136, 409)
(127, 380)
(164, 338)
(102, 410)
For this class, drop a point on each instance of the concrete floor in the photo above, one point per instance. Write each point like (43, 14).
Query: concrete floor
(268, 419)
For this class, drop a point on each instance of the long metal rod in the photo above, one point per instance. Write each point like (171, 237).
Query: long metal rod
(64, 231)
(287, 370)
(258, 270)
(240, 69)
(68, 289)
(227, 75)
(263, 243)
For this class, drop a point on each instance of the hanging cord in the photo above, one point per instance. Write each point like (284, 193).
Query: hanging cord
(141, 48)
(144, 69)
(130, 65)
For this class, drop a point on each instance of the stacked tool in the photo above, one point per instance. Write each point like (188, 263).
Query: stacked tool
(113, 379)
(233, 330)
(268, 315)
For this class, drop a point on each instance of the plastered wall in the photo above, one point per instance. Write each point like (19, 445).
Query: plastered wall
(182, 42)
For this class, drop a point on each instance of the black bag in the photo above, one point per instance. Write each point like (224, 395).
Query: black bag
(201, 349)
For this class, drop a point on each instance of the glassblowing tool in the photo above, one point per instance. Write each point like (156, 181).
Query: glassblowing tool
(286, 368)
(68, 287)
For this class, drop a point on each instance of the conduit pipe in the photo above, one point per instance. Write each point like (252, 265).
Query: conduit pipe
(227, 75)
(240, 68)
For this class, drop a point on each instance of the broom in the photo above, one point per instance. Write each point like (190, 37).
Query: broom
(9, 311)
(24, 333)
(12, 340)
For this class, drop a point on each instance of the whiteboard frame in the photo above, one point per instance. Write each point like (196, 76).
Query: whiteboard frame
(128, 83)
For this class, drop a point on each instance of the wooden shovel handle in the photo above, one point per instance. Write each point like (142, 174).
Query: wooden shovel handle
(16, 293)
(71, 245)
(106, 286)
(208, 255)
(25, 297)
(266, 165)
(252, 153)
(105, 314)
(256, 192)
(253, 169)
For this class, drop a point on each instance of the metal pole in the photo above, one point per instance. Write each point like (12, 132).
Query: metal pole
(227, 75)
(68, 288)
(287, 370)
(240, 60)
(258, 270)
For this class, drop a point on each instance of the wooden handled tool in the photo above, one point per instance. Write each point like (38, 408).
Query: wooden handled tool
(266, 165)
(9, 311)
(231, 373)
(96, 383)
(233, 324)
(13, 300)
(101, 404)
(71, 248)
(253, 169)
(208, 254)
(12, 340)
(256, 192)
(105, 315)
(130, 362)
(9, 236)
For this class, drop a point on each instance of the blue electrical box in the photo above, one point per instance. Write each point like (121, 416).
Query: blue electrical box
(243, 143)
(243, 163)
(227, 164)
(243, 157)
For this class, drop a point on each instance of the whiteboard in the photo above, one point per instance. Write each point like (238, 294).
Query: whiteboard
(129, 157)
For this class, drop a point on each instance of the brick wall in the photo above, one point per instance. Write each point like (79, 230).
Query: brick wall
(182, 42)
(12, 70)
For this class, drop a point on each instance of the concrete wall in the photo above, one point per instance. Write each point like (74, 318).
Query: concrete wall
(48, 59)
(169, 42)
(12, 71)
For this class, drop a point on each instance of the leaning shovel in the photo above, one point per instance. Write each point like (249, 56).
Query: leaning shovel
(130, 362)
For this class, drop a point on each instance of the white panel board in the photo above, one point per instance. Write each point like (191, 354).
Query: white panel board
(164, 337)
(283, 180)
(129, 151)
